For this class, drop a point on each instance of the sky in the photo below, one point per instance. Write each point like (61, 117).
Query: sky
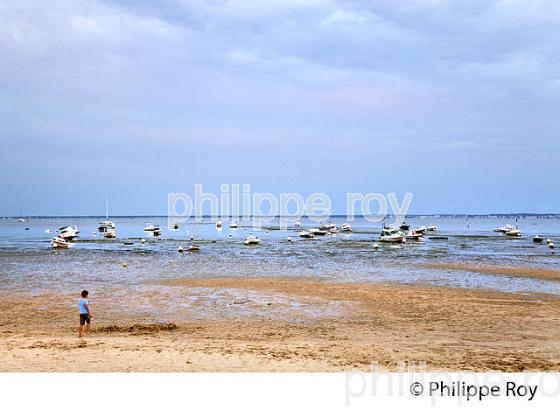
(456, 102)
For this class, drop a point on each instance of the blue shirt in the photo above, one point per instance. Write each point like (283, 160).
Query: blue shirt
(82, 302)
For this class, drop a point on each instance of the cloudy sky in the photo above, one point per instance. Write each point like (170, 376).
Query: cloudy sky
(457, 102)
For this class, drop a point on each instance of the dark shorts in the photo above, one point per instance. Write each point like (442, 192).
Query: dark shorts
(84, 319)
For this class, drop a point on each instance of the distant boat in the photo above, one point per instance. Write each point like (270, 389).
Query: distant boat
(194, 248)
(318, 232)
(109, 233)
(392, 235)
(233, 225)
(149, 227)
(421, 229)
(68, 233)
(404, 226)
(431, 228)
(106, 224)
(176, 226)
(21, 220)
(58, 242)
(157, 231)
(219, 223)
(414, 235)
(306, 234)
(503, 229)
(252, 240)
(297, 224)
(514, 232)
(537, 239)
(346, 227)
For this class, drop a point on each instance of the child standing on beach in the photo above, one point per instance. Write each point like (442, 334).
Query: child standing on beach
(85, 312)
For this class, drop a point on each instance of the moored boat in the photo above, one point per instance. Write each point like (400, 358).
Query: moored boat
(392, 235)
(252, 240)
(58, 242)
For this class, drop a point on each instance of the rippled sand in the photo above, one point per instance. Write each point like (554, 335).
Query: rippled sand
(281, 324)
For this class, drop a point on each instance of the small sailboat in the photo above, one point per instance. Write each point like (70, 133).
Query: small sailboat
(58, 242)
(252, 240)
(106, 224)
(346, 227)
(392, 235)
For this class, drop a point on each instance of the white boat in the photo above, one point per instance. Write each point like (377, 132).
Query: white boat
(194, 248)
(297, 224)
(392, 235)
(106, 224)
(503, 229)
(21, 220)
(346, 228)
(317, 231)
(413, 235)
(431, 228)
(404, 226)
(421, 229)
(110, 233)
(329, 226)
(252, 240)
(233, 225)
(219, 223)
(68, 233)
(156, 231)
(58, 242)
(306, 234)
(149, 227)
(537, 239)
(514, 232)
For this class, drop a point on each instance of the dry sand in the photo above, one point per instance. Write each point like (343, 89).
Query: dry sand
(388, 324)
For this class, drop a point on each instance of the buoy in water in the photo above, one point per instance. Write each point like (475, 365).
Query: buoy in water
(142, 240)
(180, 249)
(124, 265)
(289, 239)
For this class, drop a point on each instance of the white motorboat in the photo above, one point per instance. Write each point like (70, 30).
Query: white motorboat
(514, 232)
(194, 248)
(404, 226)
(233, 225)
(329, 226)
(21, 220)
(421, 229)
(306, 234)
(392, 235)
(252, 240)
(58, 242)
(106, 224)
(413, 235)
(297, 224)
(317, 231)
(68, 233)
(503, 229)
(537, 239)
(110, 233)
(346, 227)
(149, 227)
(431, 228)
(219, 223)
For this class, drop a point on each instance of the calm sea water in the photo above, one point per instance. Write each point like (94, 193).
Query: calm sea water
(29, 264)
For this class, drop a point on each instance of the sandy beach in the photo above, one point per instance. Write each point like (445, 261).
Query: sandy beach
(284, 324)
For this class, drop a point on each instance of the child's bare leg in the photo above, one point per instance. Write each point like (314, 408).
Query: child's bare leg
(88, 329)
(80, 332)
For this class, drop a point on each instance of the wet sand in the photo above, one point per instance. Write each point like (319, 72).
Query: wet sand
(310, 326)
(516, 271)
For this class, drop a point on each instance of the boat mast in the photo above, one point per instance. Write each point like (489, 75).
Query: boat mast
(107, 205)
